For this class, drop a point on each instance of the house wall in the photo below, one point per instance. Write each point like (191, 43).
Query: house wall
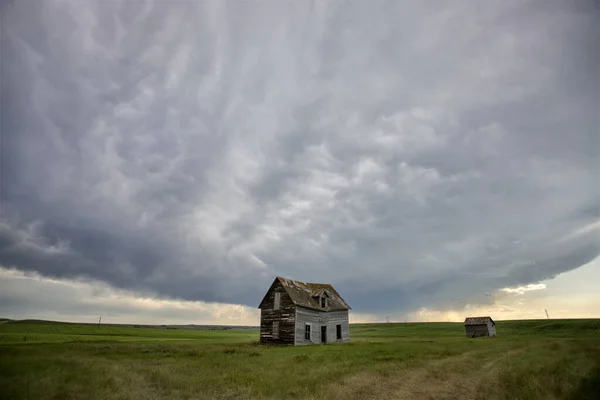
(317, 319)
(491, 329)
(476, 330)
(285, 315)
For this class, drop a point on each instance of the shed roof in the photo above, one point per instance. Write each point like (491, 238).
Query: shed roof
(307, 295)
(478, 321)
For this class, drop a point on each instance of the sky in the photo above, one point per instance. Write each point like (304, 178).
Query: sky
(164, 161)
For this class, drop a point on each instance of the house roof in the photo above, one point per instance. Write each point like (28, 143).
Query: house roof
(478, 321)
(307, 295)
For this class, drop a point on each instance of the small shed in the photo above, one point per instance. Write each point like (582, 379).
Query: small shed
(479, 326)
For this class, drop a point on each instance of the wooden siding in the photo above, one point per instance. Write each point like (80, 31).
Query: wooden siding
(285, 315)
(317, 319)
(477, 330)
(491, 329)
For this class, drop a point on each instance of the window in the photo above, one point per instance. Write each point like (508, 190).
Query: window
(338, 330)
(276, 329)
(323, 301)
(276, 301)
(307, 332)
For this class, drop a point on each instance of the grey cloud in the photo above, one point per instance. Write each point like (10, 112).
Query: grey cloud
(403, 152)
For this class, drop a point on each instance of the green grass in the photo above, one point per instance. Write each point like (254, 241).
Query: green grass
(555, 328)
(20, 332)
(545, 359)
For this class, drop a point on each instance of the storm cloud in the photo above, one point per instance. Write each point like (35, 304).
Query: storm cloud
(407, 153)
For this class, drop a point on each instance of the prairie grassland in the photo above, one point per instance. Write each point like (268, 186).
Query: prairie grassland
(545, 359)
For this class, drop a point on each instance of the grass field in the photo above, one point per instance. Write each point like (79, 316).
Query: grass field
(545, 359)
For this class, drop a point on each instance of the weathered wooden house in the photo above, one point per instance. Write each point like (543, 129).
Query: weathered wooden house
(297, 313)
(480, 326)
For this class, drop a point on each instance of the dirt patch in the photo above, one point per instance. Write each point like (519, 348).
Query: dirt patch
(455, 377)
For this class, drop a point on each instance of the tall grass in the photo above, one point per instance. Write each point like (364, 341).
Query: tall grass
(546, 359)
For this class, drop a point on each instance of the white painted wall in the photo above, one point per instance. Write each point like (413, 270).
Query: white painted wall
(317, 319)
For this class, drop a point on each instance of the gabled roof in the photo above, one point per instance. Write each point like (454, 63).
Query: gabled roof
(319, 292)
(307, 295)
(478, 321)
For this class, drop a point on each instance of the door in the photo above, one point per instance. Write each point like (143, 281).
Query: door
(323, 334)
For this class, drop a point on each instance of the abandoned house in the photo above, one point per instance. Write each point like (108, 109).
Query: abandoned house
(480, 326)
(297, 313)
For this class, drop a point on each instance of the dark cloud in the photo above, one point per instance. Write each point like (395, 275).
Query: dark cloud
(406, 153)
(68, 300)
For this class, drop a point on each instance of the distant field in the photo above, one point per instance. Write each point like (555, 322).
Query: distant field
(21, 332)
(542, 359)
